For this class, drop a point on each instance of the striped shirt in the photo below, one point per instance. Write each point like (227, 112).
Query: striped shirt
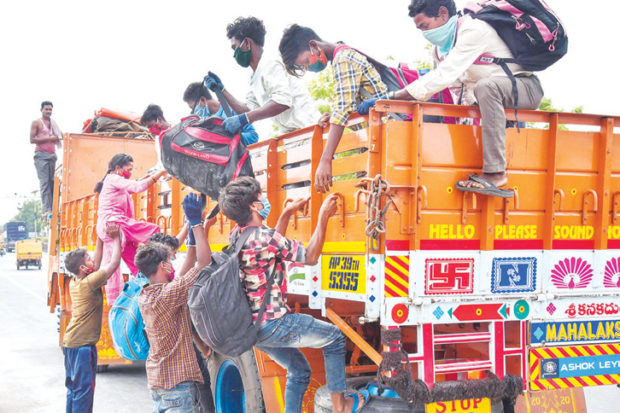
(265, 248)
(172, 359)
(352, 73)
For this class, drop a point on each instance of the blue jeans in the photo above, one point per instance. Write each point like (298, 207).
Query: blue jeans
(182, 398)
(80, 371)
(280, 339)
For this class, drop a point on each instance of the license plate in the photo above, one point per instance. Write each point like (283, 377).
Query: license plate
(344, 273)
(460, 406)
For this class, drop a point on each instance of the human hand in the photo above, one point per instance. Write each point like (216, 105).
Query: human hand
(193, 206)
(329, 206)
(324, 120)
(364, 107)
(112, 229)
(323, 176)
(209, 223)
(234, 123)
(297, 205)
(213, 82)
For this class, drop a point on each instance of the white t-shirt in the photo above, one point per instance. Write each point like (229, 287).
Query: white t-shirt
(271, 81)
(474, 38)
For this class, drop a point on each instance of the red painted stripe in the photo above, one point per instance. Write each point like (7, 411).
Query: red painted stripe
(613, 244)
(390, 293)
(395, 283)
(610, 378)
(416, 358)
(567, 382)
(448, 244)
(563, 352)
(566, 244)
(399, 260)
(397, 244)
(581, 381)
(588, 350)
(601, 349)
(429, 355)
(595, 380)
(499, 349)
(554, 384)
(397, 273)
(518, 244)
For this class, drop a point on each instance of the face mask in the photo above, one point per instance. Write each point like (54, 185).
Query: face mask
(317, 63)
(156, 129)
(88, 270)
(266, 208)
(243, 57)
(443, 36)
(201, 111)
(125, 174)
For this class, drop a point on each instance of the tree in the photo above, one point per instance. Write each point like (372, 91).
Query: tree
(30, 213)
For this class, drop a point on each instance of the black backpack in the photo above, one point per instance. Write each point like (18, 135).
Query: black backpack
(219, 307)
(531, 30)
(203, 155)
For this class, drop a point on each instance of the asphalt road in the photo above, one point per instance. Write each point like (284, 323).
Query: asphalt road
(31, 362)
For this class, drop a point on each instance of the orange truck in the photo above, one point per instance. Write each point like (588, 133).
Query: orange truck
(465, 294)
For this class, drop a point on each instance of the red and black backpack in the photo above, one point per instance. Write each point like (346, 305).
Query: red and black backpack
(203, 155)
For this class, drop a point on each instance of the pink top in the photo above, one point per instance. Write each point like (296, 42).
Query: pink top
(45, 132)
(115, 197)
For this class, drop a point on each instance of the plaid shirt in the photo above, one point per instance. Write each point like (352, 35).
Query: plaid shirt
(353, 72)
(257, 258)
(172, 359)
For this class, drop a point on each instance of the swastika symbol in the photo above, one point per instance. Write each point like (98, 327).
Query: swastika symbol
(449, 276)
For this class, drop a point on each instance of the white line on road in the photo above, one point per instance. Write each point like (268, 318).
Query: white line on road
(29, 291)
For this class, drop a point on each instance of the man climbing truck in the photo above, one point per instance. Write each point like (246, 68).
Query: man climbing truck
(458, 302)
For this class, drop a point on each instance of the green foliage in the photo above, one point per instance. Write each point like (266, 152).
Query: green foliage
(547, 105)
(322, 90)
(30, 213)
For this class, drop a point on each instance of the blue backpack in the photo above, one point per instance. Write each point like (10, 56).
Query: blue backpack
(126, 324)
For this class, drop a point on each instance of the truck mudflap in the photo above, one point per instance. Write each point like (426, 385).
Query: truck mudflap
(386, 400)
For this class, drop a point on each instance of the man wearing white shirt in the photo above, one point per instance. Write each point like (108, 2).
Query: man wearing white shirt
(273, 92)
(459, 43)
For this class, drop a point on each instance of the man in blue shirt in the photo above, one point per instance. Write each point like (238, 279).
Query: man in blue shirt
(201, 103)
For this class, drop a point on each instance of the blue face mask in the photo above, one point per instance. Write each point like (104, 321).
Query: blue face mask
(443, 36)
(266, 208)
(201, 111)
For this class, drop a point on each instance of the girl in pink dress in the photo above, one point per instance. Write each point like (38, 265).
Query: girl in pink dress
(116, 205)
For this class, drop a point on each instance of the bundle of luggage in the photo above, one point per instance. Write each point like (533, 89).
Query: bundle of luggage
(107, 120)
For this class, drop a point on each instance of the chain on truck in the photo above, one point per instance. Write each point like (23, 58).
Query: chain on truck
(450, 301)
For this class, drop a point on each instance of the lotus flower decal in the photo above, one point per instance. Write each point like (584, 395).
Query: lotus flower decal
(612, 273)
(571, 273)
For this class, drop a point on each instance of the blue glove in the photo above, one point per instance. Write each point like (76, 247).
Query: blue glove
(193, 206)
(190, 241)
(364, 107)
(213, 82)
(234, 123)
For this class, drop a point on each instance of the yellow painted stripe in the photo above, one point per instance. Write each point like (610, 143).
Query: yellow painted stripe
(402, 279)
(596, 351)
(345, 247)
(589, 381)
(279, 396)
(397, 266)
(572, 352)
(396, 290)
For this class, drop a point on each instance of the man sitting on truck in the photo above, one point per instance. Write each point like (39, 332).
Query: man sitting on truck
(281, 332)
(201, 103)
(355, 79)
(273, 93)
(458, 45)
(172, 368)
(84, 329)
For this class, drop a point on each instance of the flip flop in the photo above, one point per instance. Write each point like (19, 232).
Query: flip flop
(356, 400)
(489, 188)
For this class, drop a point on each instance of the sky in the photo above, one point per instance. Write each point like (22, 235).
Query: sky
(84, 55)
